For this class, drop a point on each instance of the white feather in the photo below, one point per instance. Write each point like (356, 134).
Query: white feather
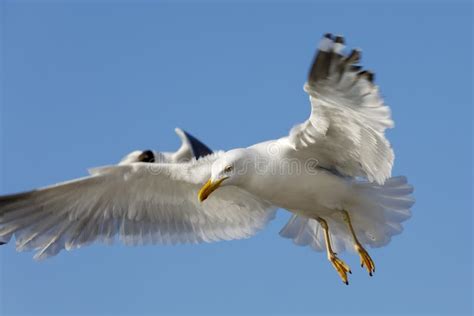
(347, 124)
(376, 212)
(140, 203)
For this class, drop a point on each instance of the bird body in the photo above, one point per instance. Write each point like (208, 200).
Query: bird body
(293, 183)
(296, 183)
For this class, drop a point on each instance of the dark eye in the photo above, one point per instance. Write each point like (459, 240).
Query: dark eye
(228, 169)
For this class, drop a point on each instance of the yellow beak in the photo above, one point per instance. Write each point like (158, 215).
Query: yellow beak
(208, 188)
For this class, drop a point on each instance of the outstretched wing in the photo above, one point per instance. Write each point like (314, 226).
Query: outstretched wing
(140, 203)
(345, 130)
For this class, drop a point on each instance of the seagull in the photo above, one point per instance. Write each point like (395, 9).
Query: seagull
(331, 172)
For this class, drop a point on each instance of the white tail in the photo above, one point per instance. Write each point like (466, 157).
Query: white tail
(377, 212)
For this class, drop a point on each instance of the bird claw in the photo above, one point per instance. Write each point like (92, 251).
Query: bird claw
(341, 267)
(365, 259)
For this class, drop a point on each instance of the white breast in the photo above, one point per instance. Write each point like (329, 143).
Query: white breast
(297, 185)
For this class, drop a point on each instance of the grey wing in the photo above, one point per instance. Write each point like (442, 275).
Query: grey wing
(139, 203)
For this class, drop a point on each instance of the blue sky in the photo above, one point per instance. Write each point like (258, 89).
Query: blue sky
(85, 83)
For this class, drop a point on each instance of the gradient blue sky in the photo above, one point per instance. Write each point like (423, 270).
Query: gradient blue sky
(85, 83)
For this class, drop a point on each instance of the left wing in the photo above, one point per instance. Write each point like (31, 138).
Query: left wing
(345, 130)
(139, 203)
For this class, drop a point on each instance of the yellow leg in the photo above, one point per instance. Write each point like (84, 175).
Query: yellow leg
(341, 267)
(365, 259)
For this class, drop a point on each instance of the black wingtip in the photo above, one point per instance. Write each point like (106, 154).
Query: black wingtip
(2, 243)
(339, 39)
(355, 68)
(320, 67)
(328, 35)
(354, 56)
(199, 149)
(367, 74)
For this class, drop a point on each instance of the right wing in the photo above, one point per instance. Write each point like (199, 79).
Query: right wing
(345, 131)
(141, 203)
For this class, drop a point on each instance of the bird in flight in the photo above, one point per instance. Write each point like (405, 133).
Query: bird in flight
(332, 172)
(190, 148)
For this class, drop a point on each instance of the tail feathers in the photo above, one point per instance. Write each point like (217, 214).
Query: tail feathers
(305, 231)
(376, 211)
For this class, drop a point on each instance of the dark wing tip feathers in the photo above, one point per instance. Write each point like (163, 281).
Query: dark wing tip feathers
(8, 204)
(13, 198)
(339, 39)
(328, 60)
(367, 74)
(198, 148)
(354, 56)
(355, 68)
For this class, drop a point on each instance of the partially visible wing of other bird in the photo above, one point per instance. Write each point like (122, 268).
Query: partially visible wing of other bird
(345, 130)
(141, 203)
(191, 147)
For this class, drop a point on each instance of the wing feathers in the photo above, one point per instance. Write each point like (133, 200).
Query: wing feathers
(138, 204)
(348, 118)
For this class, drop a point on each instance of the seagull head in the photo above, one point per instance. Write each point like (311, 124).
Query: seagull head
(230, 169)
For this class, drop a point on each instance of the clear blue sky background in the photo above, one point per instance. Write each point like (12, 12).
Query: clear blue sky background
(83, 84)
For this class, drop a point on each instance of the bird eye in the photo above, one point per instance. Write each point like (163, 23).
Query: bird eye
(228, 169)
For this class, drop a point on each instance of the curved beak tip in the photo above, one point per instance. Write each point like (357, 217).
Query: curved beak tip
(208, 188)
(205, 191)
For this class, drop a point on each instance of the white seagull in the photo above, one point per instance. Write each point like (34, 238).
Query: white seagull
(332, 172)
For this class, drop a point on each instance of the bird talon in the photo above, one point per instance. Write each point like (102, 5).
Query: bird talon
(365, 259)
(341, 268)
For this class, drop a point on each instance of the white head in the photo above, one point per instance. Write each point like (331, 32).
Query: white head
(230, 169)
